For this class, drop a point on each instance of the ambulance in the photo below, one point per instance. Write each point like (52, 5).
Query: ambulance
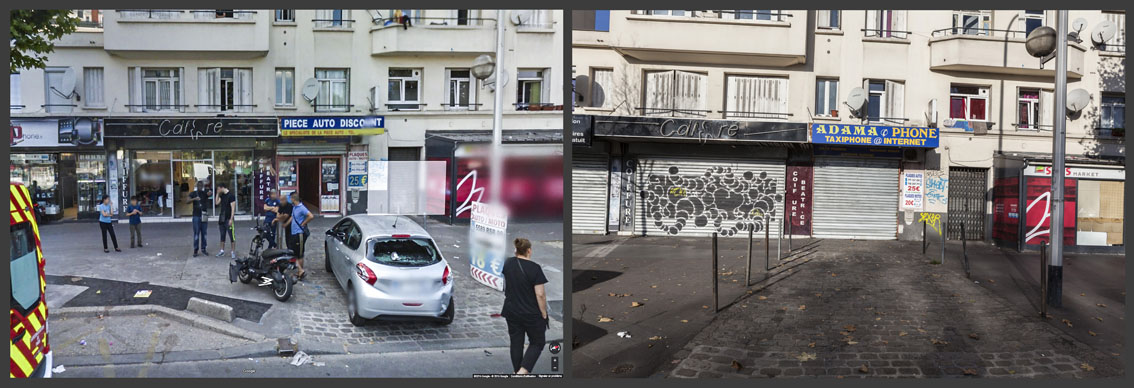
(30, 354)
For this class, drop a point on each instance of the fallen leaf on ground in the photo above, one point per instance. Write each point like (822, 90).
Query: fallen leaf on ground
(1100, 305)
(818, 294)
(936, 341)
(878, 319)
(1092, 333)
(635, 304)
(806, 356)
(605, 319)
(704, 306)
(1068, 323)
(923, 331)
(656, 337)
(653, 286)
(1011, 371)
(902, 334)
(850, 328)
(1087, 367)
(834, 274)
(611, 294)
(762, 297)
(803, 307)
(863, 369)
(1098, 319)
(736, 365)
(1083, 294)
(811, 345)
(970, 372)
(991, 281)
(974, 336)
(684, 321)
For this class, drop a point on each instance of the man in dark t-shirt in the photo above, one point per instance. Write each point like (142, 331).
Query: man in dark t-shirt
(226, 209)
(199, 197)
(525, 306)
(283, 218)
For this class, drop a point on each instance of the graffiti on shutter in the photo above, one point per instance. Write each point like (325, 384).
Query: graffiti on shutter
(729, 202)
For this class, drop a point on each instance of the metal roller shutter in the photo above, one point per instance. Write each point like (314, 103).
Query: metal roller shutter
(855, 198)
(590, 180)
(696, 196)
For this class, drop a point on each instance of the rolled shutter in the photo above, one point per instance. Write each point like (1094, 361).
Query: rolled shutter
(899, 24)
(589, 185)
(823, 18)
(659, 91)
(136, 89)
(1047, 113)
(244, 94)
(872, 186)
(872, 23)
(895, 101)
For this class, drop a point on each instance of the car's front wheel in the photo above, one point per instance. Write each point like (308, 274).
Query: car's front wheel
(352, 308)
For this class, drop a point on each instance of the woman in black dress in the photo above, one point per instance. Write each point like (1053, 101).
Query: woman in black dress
(525, 306)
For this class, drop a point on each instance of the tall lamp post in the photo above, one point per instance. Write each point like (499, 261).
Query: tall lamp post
(1042, 42)
(483, 68)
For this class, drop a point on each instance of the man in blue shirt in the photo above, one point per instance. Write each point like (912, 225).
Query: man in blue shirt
(300, 216)
(106, 223)
(200, 198)
(271, 209)
(135, 213)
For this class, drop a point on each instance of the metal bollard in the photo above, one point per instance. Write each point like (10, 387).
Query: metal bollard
(789, 231)
(965, 252)
(1043, 279)
(943, 245)
(715, 298)
(748, 267)
(767, 246)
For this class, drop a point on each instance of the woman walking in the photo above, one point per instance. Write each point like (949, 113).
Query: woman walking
(106, 223)
(525, 306)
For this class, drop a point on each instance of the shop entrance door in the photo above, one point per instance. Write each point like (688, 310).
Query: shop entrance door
(186, 174)
(309, 182)
(317, 178)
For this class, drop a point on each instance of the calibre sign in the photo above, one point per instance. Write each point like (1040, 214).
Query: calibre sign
(192, 128)
(873, 135)
(701, 131)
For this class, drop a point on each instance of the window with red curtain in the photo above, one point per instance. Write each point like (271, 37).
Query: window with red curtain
(957, 108)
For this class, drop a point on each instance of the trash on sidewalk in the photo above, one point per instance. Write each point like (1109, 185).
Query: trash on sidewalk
(83, 342)
(143, 293)
(300, 358)
(159, 253)
(319, 363)
(623, 334)
(286, 347)
(76, 279)
(487, 353)
(58, 369)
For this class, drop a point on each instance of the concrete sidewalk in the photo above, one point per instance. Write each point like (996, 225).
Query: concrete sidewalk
(669, 278)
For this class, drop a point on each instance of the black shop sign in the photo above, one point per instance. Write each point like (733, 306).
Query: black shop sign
(582, 130)
(190, 127)
(698, 130)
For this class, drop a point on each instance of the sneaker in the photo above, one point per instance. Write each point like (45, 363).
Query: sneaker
(194, 253)
(131, 245)
(204, 252)
(221, 253)
(233, 254)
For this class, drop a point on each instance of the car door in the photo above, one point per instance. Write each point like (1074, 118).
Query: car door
(335, 252)
(352, 249)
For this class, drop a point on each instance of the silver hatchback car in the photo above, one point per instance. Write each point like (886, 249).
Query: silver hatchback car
(391, 268)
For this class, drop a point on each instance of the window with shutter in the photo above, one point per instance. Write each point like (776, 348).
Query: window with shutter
(757, 97)
(602, 83)
(93, 87)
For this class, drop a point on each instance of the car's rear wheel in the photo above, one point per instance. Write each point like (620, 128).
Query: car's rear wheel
(447, 317)
(352, 308)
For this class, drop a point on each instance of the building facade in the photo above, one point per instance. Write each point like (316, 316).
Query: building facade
(875, 124)
(305, 100)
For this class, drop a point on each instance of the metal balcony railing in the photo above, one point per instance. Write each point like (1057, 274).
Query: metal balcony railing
(973, 31)
(754, 15)
(333, 23)
(755, 115)
(433, 21)
(673, 111)
(184, 14)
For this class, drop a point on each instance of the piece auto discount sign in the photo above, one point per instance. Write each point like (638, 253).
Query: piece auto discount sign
(488, 240)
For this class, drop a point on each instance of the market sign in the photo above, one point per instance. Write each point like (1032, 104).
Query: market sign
(1079, 172)
(332, 126)
(190, 127)
(874, 135)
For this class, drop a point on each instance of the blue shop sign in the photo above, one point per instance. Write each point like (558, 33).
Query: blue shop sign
(332, 125)
(875, 135)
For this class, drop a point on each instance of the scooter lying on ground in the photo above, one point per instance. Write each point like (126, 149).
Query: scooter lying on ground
(268, 267)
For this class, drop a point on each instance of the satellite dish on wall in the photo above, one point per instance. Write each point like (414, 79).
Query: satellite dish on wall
(1077, 100)
(521, 16)
(1103, 32)
(1079, 24)
(856, 98)
(310, 89)
(67, 88)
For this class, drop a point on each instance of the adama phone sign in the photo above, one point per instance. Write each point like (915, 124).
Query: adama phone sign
(488, 237)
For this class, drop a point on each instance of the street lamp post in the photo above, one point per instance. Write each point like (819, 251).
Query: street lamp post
(483, 68)
(1055, 277)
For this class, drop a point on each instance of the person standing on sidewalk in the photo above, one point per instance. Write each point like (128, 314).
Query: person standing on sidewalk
(226, 209)
(283, 219)
(525, 306)
(106, 224)
(300, 216)
(271, 209)
(200, 224)
(135, 213)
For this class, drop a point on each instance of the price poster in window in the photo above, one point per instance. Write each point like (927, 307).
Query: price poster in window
(912, 190)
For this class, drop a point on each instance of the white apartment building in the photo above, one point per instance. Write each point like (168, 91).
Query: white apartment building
(153, 101)
(701, 121)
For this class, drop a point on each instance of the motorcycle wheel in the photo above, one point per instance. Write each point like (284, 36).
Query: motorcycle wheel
(244, 276)
(282, 290)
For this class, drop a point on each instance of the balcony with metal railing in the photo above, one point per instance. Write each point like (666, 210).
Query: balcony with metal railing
(432, 35)
(224, 33)
(713, 37)
(984, 50)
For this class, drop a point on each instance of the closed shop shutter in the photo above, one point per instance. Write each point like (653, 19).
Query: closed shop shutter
(855, 199)
(590, 180)
(698, 196)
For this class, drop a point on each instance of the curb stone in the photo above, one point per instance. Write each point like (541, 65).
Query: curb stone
(187, 318)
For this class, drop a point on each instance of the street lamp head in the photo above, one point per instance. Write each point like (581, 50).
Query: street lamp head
(483, 67)
(1041, 42)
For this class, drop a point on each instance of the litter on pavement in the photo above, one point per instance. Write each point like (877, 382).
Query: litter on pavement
(624, 334)
(143, 293)
(300, 358)
(58, 369)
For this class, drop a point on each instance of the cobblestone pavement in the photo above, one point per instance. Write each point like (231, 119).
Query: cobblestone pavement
(870, 314)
